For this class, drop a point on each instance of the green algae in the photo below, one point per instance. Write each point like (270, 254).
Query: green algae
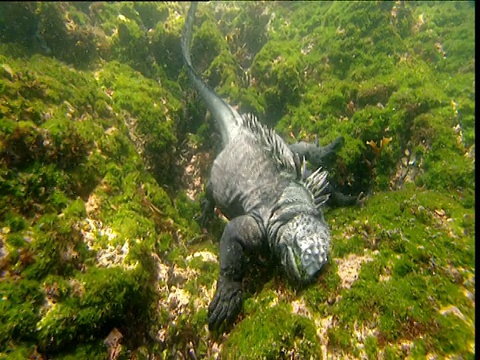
(417, 260)
(60, 151)
(20, 309)
(96, 229)
(105, 297)
(273, 333)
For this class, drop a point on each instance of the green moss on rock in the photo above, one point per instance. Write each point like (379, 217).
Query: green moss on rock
(273, 333)
(99, 301)
(96, 231)
(411, 274)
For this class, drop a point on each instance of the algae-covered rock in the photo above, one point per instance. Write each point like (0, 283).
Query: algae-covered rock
(104, 151)
(273, 333)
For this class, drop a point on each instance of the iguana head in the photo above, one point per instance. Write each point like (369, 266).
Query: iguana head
(304, 245)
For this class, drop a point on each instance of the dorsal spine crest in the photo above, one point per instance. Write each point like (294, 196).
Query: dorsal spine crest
(317, 183)
(272, 143)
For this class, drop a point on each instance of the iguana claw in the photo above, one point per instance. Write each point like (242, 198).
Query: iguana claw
(226, 304)
(361, 198)
(207, 213)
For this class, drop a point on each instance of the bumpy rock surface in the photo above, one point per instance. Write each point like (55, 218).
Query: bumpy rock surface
(104, 149)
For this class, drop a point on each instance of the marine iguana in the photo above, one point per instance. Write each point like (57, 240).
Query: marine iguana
(258, 184)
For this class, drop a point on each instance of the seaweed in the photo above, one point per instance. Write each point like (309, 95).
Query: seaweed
(100, 131)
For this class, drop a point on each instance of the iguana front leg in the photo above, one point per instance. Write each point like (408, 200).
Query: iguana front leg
(241, 235)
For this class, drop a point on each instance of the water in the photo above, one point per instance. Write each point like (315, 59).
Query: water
(105, 149)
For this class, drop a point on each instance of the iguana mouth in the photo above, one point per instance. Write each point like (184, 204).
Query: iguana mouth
(291, 264)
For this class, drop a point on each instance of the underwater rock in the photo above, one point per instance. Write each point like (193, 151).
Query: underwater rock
(89, 100)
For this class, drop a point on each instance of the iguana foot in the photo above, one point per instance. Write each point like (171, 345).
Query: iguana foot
(361, 198)
(226, 304)
(337, 199)
(207, 213)
(324, 155)
(208, 206)
(318, 156)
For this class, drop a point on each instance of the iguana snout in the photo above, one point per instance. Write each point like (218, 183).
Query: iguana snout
(304, 245)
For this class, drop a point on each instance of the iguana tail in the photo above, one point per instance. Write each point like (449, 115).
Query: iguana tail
(227, 119)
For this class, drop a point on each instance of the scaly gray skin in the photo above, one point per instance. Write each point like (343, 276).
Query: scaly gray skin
(256, 181)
